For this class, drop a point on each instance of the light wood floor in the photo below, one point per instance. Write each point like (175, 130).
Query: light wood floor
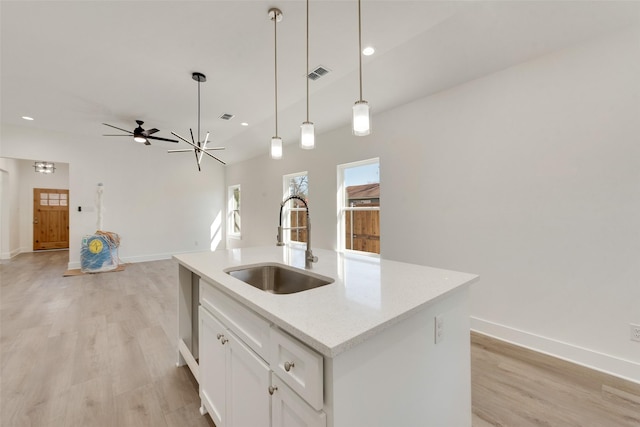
(513, 386)
(94, 350)
(99, 350)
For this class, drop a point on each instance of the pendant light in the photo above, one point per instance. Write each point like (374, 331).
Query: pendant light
(307, 132)
(276, 142)
(361, 121)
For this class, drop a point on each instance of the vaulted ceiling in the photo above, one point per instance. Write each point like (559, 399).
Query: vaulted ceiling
(72, 65)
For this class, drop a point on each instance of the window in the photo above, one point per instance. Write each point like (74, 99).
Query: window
(233, 212)
(294, 214)
(359, 206)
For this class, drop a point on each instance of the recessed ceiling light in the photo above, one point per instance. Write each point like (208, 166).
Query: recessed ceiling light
(367, 51)
(27, 118)
(244, 124)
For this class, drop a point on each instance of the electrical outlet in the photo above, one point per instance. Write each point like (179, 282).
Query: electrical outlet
(635, 332)
(438, 328)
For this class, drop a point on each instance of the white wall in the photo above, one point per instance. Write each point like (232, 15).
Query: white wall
(9, 210)
(528, 177)
(158, 203)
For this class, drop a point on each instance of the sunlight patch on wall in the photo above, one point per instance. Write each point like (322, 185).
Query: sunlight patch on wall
(216, 232)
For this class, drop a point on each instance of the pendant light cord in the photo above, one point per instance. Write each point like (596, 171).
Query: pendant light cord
(308, 61)
(360, 47)
(275, 50)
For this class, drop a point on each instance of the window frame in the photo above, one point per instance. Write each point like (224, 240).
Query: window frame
(341, 197)
(231, 209)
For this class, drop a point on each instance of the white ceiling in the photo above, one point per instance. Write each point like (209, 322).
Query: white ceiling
(73, 65)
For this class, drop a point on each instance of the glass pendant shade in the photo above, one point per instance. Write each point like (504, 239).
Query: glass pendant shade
(361, 123)
(276, 147)
(307, 136)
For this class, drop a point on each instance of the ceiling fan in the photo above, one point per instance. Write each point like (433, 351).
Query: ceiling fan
(199, 146)
(140, 135)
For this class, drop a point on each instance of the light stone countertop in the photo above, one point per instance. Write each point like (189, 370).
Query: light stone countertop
(368, 295)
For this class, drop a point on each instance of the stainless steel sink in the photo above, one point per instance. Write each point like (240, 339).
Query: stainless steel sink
(278, 278)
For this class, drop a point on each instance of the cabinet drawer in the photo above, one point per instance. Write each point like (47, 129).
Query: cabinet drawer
(298, 366)
(252, 329)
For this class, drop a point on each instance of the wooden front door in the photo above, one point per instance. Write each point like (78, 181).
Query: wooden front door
(50, 219)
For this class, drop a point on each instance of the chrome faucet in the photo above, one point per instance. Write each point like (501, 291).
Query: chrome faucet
(308, 254)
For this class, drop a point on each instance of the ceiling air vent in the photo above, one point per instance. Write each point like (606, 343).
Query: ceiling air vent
(318, 72)
(227, 116)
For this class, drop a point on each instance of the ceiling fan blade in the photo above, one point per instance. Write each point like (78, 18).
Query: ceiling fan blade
(215, 148)
(119, 135)
(115, 127)
(161, 139)
(147, 143)
(151, 131)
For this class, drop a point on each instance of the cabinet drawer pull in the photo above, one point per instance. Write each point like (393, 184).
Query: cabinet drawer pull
(272, 389)
(288, 366)
(219, 336)
(224, 340)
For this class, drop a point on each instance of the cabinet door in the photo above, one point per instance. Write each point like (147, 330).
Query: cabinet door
(213, 378)
(248, 381)
(289, 410)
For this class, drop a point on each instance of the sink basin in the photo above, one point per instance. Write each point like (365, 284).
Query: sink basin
(278, 278)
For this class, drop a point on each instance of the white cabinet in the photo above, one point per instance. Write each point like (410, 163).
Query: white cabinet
(248, 400)
(252, 329)
(289, 410)
(234, 381)
(298, 366)
(238, 388)
(213, 371)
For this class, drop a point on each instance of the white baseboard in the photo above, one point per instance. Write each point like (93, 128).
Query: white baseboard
(145, 258)
(133, 259)
(608, 364)
(11, 254)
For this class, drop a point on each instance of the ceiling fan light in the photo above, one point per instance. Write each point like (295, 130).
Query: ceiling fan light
(140, 139)
(44, 167)
(276, 147)
(361, 122)
(307, 136)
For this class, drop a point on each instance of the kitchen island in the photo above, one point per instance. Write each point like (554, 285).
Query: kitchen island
(387, 343)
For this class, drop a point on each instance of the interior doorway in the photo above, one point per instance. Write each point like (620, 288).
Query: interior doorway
(50, 219)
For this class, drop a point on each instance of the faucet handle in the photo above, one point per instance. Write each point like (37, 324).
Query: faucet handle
(310, 257)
